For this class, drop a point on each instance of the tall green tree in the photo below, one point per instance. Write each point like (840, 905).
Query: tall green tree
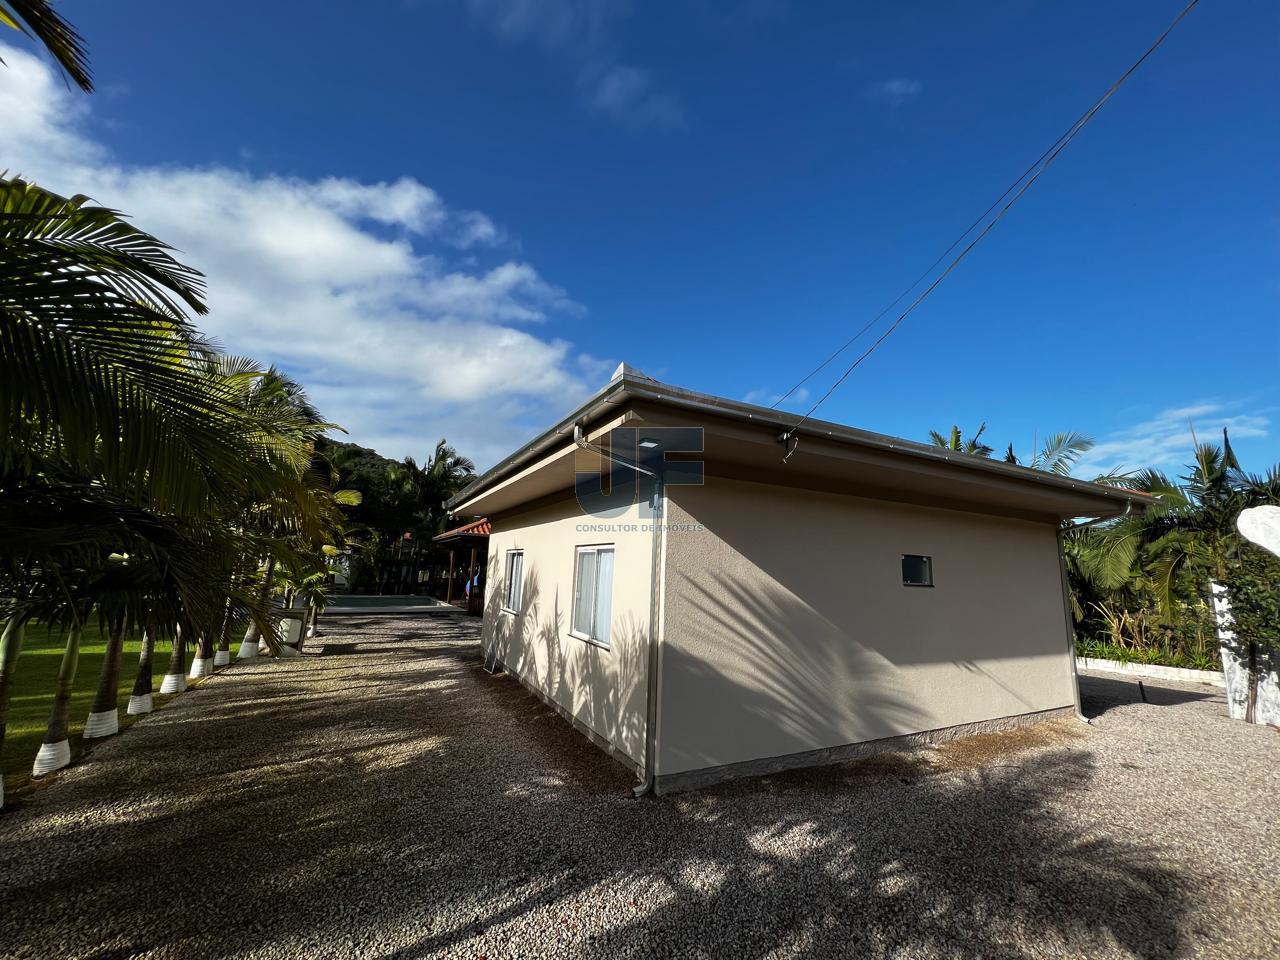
(140, 472)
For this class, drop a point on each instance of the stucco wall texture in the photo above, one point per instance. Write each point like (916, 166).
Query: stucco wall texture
(603, 689)
(787, 627)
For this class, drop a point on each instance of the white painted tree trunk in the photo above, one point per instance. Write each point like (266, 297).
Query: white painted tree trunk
(248, 646)
(201, 667)
(52, 756)
(173, 683)
(103, 724)
(139, 704)
(221, 658)
(1235, 668)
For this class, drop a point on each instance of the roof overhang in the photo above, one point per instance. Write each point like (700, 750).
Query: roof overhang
(742, 441)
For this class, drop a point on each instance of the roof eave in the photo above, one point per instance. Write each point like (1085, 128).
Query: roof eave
(630, 387)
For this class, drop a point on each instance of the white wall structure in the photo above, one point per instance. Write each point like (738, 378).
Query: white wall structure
(788, 628)
(1261, 525)
(1235, 669)
(602, 689)
(784, 599)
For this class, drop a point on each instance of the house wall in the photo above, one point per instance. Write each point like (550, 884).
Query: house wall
(787, 628)
(603, 690)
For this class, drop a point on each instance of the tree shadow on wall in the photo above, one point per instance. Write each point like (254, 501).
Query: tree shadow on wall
(769, 676)
(604, 689)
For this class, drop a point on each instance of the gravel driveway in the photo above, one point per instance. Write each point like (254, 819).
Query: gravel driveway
(383, 797)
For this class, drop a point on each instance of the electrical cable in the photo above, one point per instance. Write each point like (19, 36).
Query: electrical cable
(1028, 178)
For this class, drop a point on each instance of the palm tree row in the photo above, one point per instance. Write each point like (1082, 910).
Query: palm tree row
(399, 498)
(147, 482)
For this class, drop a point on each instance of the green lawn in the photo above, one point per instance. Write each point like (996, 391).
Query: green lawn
(34, 681)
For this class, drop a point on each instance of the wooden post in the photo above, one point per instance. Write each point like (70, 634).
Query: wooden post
(448, 595)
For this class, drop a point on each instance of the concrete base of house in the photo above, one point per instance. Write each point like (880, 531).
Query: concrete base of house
(173, 683)
(707, 776)
(221, 658)
(52, 756)
(1152, 671)
(597, 739)
(103, 724)
(139, 703)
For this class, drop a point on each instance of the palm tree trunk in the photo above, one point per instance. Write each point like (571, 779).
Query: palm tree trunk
(140, 700)
(10, 644)
(55, 751)
(175, 678)
(104, 718)
(222, 656)
(1251, 704)
(249, 648)
(202, 663)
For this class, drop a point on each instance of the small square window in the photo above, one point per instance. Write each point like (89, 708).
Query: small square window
(917, 570)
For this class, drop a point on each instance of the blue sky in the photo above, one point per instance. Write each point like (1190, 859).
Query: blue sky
(454, 217)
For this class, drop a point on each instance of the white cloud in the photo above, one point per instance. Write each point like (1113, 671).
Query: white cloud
(1165, 441)
(628, 95)
(584, 32)
(765, 397)
(359, 289)
(895, 92)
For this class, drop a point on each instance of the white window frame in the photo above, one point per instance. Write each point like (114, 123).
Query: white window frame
(574, 631)
(512, 587)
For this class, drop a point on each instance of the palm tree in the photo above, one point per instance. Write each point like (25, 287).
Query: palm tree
(104, 715)
(139, 470)
(58, 36)
(955, 441)
(100, 368)
(1058, 454)
(55, 750)
(175, 677)
(1185, 546)
(140, 700)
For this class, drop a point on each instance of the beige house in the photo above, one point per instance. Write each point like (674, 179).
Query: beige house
(821, 593)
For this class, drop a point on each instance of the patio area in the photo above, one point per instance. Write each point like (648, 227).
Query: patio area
(383, 797)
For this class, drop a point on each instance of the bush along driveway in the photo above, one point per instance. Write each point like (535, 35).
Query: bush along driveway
(384, 797)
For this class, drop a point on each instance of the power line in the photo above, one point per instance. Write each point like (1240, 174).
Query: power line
(1029, 176)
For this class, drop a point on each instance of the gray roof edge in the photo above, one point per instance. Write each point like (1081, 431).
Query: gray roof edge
(629, 387)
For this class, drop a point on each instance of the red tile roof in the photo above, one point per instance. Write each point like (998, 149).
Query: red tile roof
(476, 528)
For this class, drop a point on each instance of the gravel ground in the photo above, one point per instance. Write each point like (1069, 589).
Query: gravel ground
(383, 797)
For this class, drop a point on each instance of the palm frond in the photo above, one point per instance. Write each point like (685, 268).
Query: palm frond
(1061, 451)
(60, 38)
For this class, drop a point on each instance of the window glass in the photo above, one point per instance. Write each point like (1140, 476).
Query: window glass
(515, 580)
(604, 595)
(584, 588)
(917, 570)
(593, 593)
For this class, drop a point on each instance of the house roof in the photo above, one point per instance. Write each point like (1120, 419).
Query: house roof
(867, 459)
(476, 528)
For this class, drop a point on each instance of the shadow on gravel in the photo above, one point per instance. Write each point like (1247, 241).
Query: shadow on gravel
(424, 808)
(1100, 694)
(870, 859)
